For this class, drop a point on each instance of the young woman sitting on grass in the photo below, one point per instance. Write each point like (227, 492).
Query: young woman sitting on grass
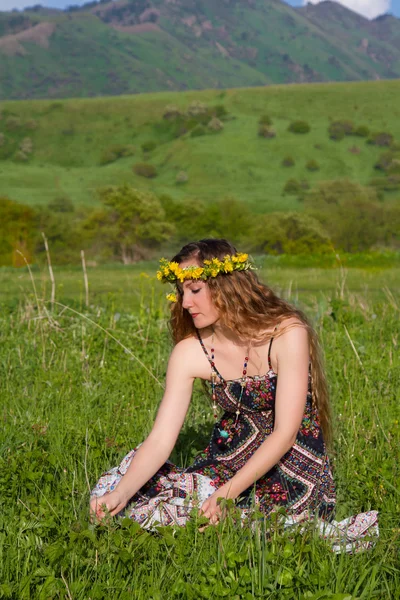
(260, 358)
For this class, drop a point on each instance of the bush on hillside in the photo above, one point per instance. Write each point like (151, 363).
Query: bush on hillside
(354, 150)
(197, 108)
(265, 120)
(20, 156)
(215, 125)
(295, 187)
(13, 123)
(198, 131)
(115, 152)
(362, 131)
(288, 161)
(381, 139)
(394, 167)
(337, 130)
(266, 131)
(299, 127)
(31, 124)
(61, 204)
(26, 146)
(384, 161)
(2, 139)
(145, 170)
(182, 177)
(220, 111)
(171, 112)
(312, 165)
(391, 183)
(148, 146)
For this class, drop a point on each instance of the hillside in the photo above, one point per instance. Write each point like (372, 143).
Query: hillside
(68, 149)
(132, 46)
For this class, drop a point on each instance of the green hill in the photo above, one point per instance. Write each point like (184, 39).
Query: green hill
(131, 46)
(53, 149)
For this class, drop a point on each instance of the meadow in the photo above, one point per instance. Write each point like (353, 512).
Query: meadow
(79, 387)
(69, 138)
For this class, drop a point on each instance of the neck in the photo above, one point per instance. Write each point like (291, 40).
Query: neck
(223, 334)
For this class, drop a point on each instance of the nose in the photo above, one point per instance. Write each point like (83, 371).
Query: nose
(187, 300)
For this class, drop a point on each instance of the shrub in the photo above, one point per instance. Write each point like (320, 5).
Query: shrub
(31, 124)
(215, 125)
(312, 165)
(294, 187)
(381, 139)
(2, 139)
(198, 131)
(13, 123)
(149, 146)
(299, 127)
(171, 112)
(220, 111)
(288, 161)
(21, 156)
(384, 161)
(182, 177)
(394, 167)
(266, 132)
(61, 204)
(115, 152)
(26, 146)
(362, 131)
(197, 108)
(386, 184)
(145, 170)
(265, 120)
(339, 129)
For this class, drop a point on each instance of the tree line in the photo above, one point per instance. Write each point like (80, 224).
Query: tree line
(131, 225)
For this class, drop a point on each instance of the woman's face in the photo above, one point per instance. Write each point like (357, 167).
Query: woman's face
(196, 299)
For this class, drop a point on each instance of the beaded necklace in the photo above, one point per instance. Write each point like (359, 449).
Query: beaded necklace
(226, 435)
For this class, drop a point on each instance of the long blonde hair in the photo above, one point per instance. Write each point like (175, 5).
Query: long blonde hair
(250, 309)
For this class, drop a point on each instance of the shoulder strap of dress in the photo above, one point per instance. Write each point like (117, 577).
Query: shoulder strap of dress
(214, 368)
(269, 350)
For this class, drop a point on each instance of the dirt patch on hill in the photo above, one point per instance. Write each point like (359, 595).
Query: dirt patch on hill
(39, 35)
(143, 27)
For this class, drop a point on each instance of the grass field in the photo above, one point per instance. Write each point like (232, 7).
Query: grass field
(71, 135)
(74, 401)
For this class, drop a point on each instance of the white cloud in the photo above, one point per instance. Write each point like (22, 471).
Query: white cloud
(367, 8)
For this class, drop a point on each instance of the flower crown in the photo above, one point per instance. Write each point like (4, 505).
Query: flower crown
(171, 271)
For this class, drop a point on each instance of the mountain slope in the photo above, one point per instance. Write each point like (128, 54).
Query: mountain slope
(131, 46)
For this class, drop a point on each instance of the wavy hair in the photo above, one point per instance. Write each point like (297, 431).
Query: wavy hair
(252, 310)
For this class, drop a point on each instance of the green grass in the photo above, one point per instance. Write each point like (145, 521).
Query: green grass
(72, 134)
(73, 402)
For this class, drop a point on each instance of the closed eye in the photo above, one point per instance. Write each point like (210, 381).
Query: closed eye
(196, 291)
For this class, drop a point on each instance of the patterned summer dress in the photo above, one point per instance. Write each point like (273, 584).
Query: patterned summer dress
(301, 481)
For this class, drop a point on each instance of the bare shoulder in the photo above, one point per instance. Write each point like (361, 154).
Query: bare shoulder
(186, 355)
(293, 335)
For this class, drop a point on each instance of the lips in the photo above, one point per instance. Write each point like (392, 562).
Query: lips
(194, 315)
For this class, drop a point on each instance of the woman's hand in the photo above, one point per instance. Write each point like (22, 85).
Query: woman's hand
(109, 504)
(211, 508)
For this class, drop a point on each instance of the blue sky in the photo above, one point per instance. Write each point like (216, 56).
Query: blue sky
(369, 8)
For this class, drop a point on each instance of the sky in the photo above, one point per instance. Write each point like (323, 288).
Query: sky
(367, 8)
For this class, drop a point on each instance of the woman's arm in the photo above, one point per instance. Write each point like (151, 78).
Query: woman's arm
(292, 353)
(157, 447)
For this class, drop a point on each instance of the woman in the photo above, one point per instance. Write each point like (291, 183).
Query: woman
(261, 360)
